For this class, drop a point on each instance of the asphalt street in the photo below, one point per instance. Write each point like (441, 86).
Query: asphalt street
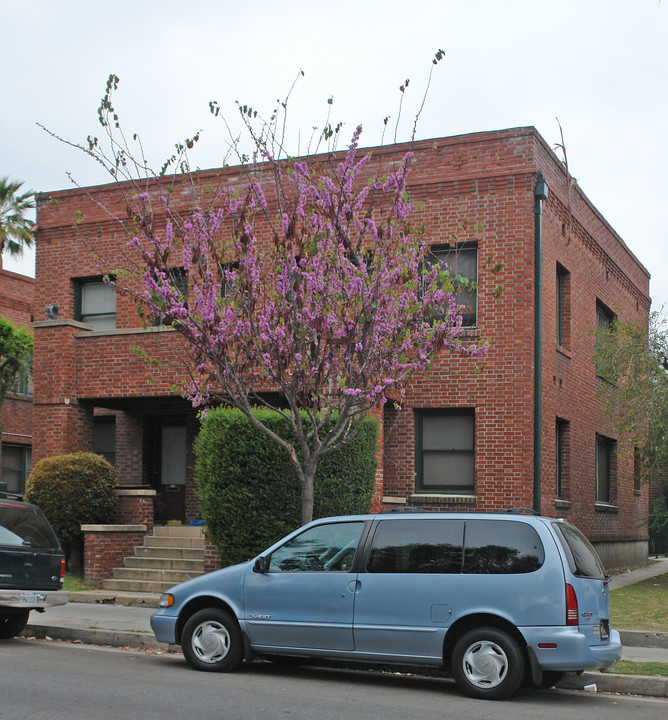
(69, 681)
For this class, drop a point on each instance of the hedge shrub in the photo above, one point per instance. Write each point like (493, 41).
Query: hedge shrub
(71, 490)
(249, 493)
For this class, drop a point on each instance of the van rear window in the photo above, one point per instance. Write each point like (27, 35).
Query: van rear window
(583, 560)
(23, 526)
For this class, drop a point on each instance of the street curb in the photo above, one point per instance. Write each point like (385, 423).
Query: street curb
(625, 684)
(98, 636)
(106, 597)
(644, 638)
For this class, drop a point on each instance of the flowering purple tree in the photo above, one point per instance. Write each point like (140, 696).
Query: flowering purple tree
(308, 292)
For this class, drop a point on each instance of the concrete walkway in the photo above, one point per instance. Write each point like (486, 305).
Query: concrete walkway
(99, 620)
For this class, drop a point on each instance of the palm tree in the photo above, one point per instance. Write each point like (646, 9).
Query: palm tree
(15, 229)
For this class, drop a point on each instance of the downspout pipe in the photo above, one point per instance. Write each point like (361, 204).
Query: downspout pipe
(540, 195)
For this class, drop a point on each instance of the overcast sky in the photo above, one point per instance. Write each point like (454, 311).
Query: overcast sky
(600, 66)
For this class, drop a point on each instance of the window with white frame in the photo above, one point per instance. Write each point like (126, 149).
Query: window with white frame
(445, 451)
(95, 303)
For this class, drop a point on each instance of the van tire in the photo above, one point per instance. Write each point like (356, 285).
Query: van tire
(11, 624)
(487, 663)
(211, 641)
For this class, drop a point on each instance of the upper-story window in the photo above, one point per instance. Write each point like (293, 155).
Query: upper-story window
(563, 307)
(604, 325)
(95, 303)
(178, 278)
(462, 262)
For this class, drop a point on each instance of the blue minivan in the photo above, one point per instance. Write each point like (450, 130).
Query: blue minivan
(497, 599)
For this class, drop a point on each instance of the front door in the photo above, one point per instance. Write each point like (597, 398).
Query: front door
(168, 459)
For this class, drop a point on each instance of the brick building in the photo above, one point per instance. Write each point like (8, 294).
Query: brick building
(16, 306)
(524, 427)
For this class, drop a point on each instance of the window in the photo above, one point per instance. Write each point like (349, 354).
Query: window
(179, 279)
(563, 307)
(16, 466)
(604, 324)
(495, 547)
(445, 451)
(562, 457)
(23, 382)
(104, 438)
(637, 470)
(428, 546)
(604, 468)
(323, 548)
(95, 304)
(582, 558)
(462, 261)
(488, 547)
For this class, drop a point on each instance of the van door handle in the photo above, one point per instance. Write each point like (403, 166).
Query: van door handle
(354, 586)
(28, 566)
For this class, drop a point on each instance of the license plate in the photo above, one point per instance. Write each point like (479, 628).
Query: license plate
(26, 598)
(605, 630)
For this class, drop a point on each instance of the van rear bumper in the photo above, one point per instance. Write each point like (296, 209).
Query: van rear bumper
(32, 599)
(572, 651)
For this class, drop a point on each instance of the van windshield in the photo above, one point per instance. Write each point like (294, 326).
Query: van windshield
(582, 558)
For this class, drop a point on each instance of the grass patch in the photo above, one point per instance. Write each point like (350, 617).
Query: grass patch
(626, 667)
(641, 606)
(75, 583)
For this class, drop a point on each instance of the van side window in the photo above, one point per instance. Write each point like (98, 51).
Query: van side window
(428, 546)
(501, 546)
(323, 548)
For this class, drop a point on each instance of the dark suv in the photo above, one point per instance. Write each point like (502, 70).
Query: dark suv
(32, 565)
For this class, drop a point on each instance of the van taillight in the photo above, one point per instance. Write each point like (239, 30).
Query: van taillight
(571, 606)
(62, 569)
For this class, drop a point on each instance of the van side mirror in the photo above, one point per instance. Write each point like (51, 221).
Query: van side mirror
(261, 564)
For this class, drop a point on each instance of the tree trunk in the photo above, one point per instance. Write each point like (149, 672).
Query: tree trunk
(307, 496)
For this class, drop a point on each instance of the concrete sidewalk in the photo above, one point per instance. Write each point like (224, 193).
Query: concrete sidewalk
(98, 620)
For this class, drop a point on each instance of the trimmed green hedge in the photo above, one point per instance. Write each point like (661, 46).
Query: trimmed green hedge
(249, 493)
(72, 490)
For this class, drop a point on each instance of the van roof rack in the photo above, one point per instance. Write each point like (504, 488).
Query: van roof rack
(403, 509)
(521, 511)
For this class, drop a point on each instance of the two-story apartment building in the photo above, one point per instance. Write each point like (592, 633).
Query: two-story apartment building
(523, 427)
(16, 306)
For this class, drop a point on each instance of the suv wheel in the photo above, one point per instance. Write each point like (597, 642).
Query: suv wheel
(11, 624)
(487, 663)
(211, 641)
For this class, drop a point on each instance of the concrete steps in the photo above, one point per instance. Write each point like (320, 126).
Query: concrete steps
(173, 554)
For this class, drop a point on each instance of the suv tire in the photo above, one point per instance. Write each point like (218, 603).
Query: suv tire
(11, 624)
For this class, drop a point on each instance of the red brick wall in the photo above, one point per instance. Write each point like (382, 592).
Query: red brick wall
(16, 306)
(16, 298)
(485, 178)
(105, 550)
